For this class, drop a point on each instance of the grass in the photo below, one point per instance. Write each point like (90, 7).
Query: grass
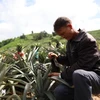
(43, 42)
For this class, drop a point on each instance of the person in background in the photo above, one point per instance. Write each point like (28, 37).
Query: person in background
(82, 63)
(19, 53)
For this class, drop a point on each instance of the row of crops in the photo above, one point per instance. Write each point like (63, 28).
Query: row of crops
(27, 78)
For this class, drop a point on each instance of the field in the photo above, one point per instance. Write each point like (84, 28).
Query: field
(26, 77)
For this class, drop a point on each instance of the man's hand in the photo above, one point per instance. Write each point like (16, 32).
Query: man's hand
(52, 55)
(53, 74)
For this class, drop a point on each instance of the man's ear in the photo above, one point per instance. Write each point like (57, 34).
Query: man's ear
(69, 25)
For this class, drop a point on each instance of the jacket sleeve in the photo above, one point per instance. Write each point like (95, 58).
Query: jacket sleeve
(88, 56)
(63, 60)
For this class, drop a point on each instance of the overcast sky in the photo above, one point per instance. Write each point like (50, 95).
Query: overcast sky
(23, 16)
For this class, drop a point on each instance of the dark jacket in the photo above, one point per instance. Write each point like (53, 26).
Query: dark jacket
(82, 53)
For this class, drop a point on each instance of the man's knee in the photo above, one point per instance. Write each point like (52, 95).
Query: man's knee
(59, 90)
(62, 92)
(78, 74)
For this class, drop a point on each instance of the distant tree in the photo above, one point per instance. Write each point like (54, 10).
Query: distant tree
(32, 32)
(32, 35)
(54, 34)
(1, 44)
(37, 36)
(41, 35)
(5, 42)
(23, 36)
(44, 32)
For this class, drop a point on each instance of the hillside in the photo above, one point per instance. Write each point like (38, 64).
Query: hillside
(95, 33)
(30, 39)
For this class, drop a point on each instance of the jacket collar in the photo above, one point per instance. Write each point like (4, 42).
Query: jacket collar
(79, 36)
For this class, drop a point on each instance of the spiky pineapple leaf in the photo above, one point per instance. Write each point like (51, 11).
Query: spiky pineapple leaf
(14, 96)
(3, 71)
(50, 95)
(56, 78)
(39, 83)
(26, 89)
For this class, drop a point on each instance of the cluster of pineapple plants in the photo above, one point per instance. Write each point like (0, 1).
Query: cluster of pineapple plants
(27, 79)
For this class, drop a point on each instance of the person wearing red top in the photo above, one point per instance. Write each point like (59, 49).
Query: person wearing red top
(19, 53)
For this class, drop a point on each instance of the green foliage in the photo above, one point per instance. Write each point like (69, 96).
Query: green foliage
(23, 37)
(42, 83)
(40, 35)
(95, 33)
(32, 32)
(42, 38)
(31, 75)
(19, 48)
(8, 58)
(5, 42)
(54, 34)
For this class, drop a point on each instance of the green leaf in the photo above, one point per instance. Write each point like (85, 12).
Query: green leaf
(14, 96)
(27, 88)
(47, 72)
(3, 71)
(50, 95)
(39, 83)
(46, 84)
(56, 78)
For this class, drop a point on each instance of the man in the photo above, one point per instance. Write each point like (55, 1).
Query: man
(82, 60)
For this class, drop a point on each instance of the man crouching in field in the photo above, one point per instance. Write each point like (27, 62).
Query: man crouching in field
(82, 60)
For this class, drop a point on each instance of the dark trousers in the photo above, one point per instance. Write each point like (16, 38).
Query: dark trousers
(85, 83)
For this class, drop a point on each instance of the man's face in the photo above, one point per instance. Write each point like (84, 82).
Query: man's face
(65, 32)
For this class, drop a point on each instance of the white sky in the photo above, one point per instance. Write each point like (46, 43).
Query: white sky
(23, 16)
